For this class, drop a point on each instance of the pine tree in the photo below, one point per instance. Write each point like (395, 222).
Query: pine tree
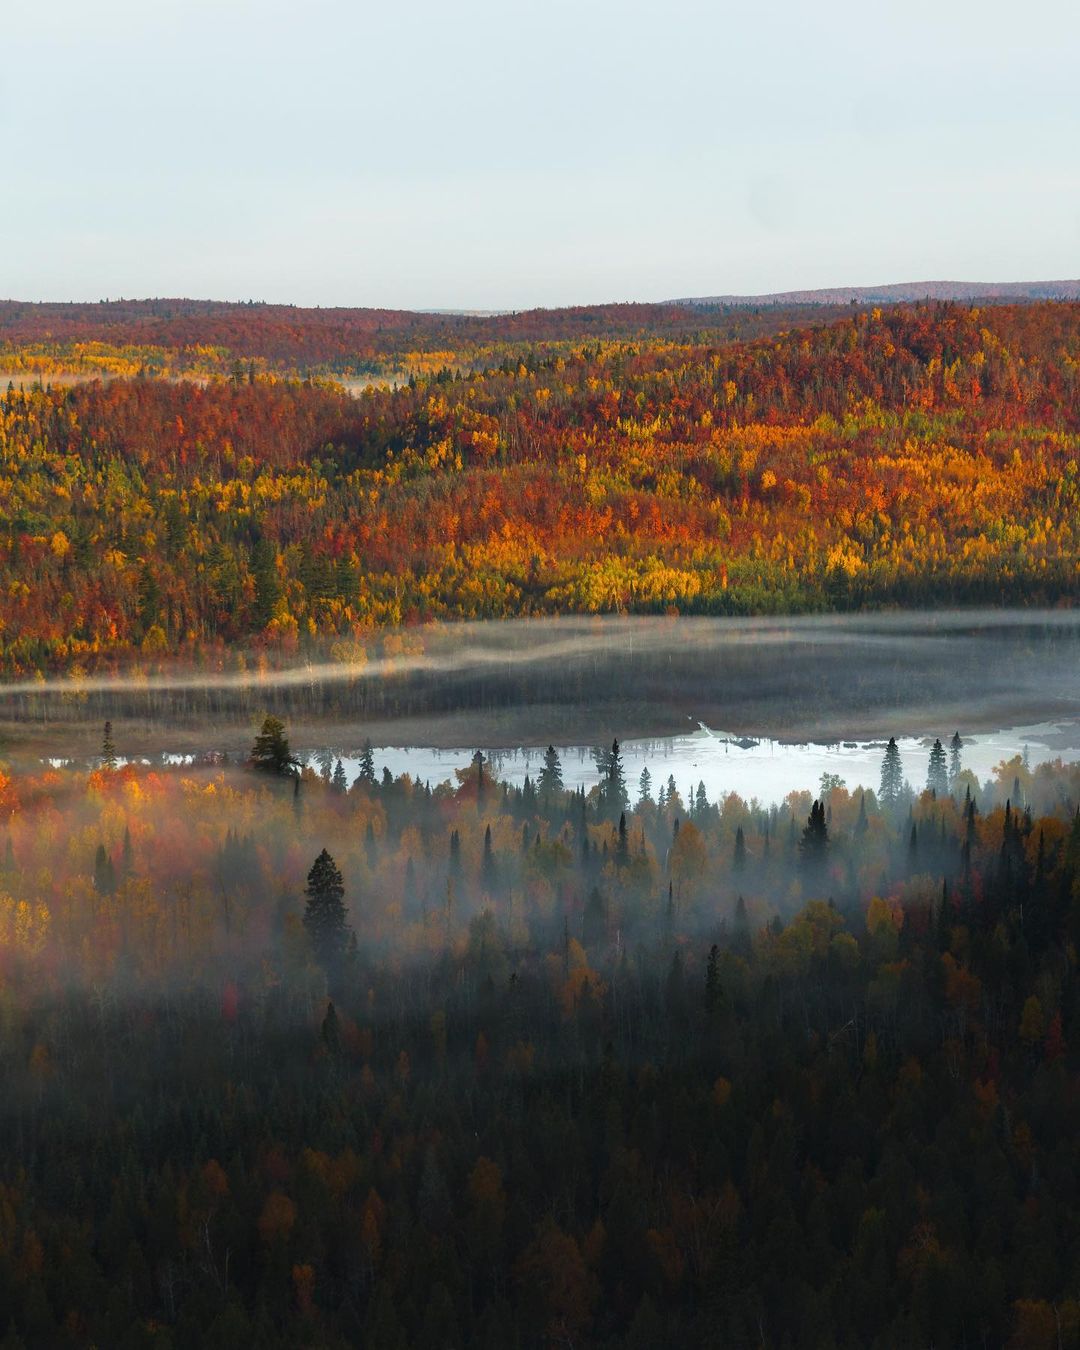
(937, 777)
(738, 862)
(271, 752)
(324, 914)
(339, 782)
(645, 786)
(892, 775)
(108, 749)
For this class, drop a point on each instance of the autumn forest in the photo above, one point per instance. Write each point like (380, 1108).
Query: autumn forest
(918, 456)
(301, 1054)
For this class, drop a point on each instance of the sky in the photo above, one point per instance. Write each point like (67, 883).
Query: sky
(492, 154)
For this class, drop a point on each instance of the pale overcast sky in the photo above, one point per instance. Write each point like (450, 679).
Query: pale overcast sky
(485, 154)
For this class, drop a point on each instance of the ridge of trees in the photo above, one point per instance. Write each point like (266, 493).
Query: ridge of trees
(907, 457)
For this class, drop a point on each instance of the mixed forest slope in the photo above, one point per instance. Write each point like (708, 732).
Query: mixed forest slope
(203, 338)
(922, 455)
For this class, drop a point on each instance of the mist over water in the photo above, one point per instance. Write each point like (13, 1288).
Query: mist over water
(580, 681)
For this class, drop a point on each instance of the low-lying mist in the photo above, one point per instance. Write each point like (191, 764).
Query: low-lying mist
(570, 681)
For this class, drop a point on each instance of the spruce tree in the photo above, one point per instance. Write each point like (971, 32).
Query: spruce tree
(488, 871)
(613, 795)
(324, 914)
(104, 872)
(478, 763)
(367, 766)
(550, 782)
(955, 746)
(267, 585)
(892, 775)
(622, 850)
(339, 782)
(108, 749)
(937, 777)
(645, 786)
(814, 845)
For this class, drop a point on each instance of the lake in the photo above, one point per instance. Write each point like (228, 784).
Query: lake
(765, 769)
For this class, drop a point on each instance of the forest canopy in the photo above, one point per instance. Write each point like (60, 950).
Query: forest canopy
(920, 455)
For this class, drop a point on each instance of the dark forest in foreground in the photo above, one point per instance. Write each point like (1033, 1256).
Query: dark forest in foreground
(594, 1074)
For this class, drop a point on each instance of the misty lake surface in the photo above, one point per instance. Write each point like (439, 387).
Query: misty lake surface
(761, 707)
(765, 769)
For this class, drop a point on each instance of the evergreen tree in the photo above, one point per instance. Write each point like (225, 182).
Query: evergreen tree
(892, 775)
(645, 786)
(371, 845)
(955, 746)
(267, 585)
(937, 777)
(366, 776)
(738, 862)
(488, 871)
(104, 872)
(331, 1030)
(339, 782)
(455, 854)
(814, 845)
(478, 763)
(622, 850)
(594, 920)
(271, 752)
(108, 749)
(550, 781)
(613, 795)
(324, 914)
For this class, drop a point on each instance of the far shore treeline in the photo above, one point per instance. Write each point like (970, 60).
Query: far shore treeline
(916, 456)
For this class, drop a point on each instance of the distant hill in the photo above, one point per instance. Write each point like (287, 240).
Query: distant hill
(904, 291)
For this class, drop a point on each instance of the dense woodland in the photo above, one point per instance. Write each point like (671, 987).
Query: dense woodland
(293, 1061)
(208, 338)
(921, 455)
